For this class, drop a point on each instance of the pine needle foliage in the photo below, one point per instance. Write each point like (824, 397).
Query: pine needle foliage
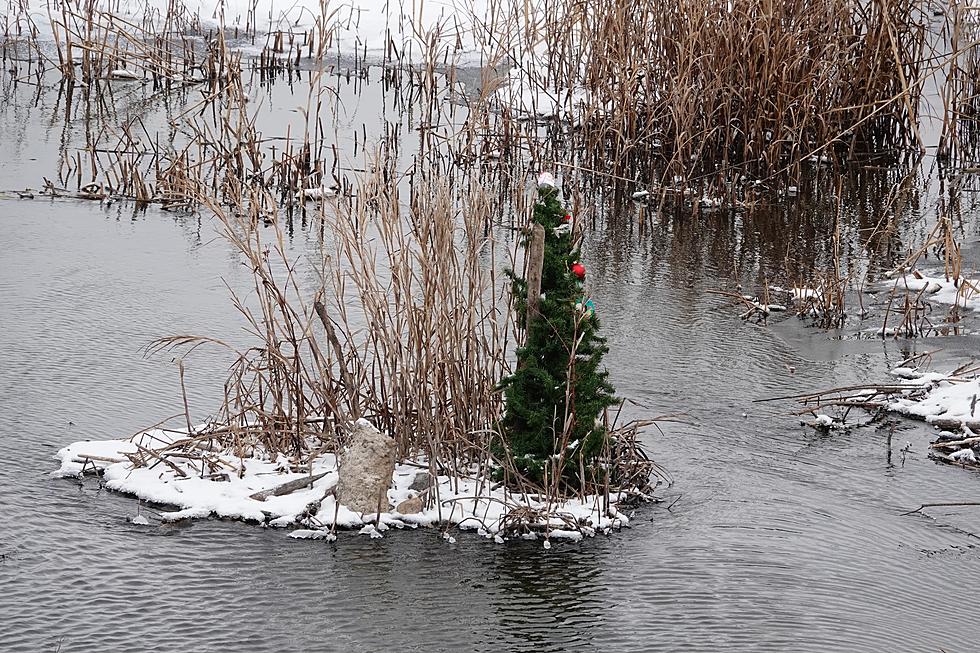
(559, 390)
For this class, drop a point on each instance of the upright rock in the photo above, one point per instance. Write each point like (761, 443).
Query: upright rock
(365, 467)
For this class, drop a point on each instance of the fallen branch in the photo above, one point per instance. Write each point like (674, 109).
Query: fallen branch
(82, 457)
(954, 443)
(288, 487)
(154, 454)
(876, 389)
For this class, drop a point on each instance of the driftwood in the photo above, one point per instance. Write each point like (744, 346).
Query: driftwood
(82, 457)
(943, 444)
(160, 459)
(953, 423)
(286, 488)
(865, 390)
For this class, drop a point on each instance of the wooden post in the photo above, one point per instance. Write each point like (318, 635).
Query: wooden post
(535, 265)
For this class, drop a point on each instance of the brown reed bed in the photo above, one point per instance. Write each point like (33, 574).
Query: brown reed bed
(414, 334)
(960, 136)
(669, 99)
(672, 104)
(701, 92)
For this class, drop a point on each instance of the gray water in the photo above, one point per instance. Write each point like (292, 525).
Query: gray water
(772, 537)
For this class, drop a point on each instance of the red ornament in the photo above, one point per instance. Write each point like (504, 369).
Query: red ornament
(579, 271)
(568, 217)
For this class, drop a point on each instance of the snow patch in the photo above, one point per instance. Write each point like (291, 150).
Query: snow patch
(961, 291)
(227, 487)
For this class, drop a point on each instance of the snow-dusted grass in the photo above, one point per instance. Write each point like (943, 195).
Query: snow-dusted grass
(468, 503)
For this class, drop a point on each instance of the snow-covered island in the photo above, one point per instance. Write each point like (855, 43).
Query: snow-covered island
(169, 467)
(527, 450)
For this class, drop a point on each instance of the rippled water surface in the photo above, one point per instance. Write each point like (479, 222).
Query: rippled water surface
(772, 537)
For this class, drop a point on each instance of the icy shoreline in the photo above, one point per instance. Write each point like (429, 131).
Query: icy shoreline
(962, 292)
(948, 402)
(944, 400)
(220, 484)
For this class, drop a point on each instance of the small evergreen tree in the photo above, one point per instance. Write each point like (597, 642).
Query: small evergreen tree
(558, 392)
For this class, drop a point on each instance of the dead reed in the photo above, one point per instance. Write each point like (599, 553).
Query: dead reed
(705, 91)
(407, 323)
(657, 92)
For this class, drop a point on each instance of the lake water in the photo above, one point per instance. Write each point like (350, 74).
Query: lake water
(772, 537)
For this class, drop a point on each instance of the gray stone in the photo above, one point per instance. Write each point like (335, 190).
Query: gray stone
(410, 506)
(421, 482)
(365, 467)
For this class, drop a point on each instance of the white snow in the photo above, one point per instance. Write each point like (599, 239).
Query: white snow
(529, 92)
(919, 378)
(547, 180)
(821, 420)
(123, 74)
(962, 292)
(306, 534)
(948, 402)
(906, 373)
(226, 487)
(946, 399)
(765, 308)
(964, 456)
(317, 193)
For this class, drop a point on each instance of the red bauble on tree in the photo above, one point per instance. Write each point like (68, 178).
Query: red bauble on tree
(579, 271)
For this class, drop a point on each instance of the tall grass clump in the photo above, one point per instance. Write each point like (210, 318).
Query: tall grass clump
(961, 88)
(412, 288)
(402, 318)
(400, 325)
(697, 87)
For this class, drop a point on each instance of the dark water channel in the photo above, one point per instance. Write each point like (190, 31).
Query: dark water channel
(777, 538)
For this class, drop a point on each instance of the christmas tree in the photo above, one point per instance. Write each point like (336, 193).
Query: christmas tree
(558, 392)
